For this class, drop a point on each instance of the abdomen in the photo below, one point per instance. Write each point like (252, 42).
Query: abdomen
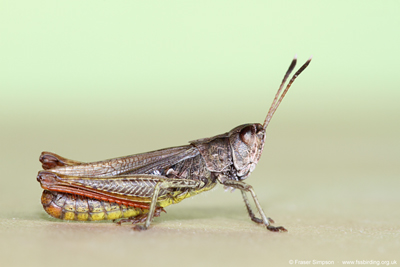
(67, 206)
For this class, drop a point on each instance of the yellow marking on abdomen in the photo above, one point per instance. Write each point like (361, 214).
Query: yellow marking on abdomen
(67, 206)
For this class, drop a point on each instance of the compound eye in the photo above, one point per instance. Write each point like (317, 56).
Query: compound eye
(247, 134)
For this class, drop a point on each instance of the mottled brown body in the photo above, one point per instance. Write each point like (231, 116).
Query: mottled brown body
(138, 187)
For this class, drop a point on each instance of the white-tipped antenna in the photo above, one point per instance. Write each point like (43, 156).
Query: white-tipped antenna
(278, 97)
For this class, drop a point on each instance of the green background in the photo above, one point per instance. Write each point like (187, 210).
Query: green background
(92, 80)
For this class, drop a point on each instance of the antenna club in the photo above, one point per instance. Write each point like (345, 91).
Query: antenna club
(309, 59)
(295, 57)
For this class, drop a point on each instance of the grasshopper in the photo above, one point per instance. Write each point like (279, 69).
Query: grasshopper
(137, 188)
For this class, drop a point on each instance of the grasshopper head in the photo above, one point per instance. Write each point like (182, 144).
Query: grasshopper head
(247, 140)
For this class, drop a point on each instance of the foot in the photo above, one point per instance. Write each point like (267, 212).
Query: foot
(134, 220)
(276, 228)
(141, 218)
(139, 227)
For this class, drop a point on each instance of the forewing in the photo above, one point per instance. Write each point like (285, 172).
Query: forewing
(129, 164)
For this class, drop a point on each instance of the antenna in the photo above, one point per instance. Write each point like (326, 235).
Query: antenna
(278, 97)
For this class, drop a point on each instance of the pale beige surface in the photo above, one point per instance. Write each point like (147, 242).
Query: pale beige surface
(96, 80)
(334, 210)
